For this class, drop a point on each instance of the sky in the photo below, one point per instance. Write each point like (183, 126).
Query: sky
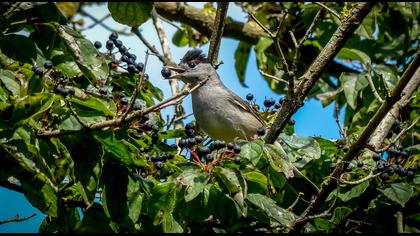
(312, 119)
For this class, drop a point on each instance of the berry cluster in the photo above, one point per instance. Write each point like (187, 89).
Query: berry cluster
(394, 163)
(193, 142)
(159, 159)
(127, 57)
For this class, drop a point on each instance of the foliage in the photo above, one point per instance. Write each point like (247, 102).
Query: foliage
(127, 178)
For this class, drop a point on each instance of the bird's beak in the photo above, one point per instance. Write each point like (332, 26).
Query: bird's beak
(178, 71)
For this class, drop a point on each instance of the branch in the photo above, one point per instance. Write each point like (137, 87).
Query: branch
(11, 186)
(216, 36)
(327, 186)
(274, 77)
(328, 9)
(17, 219)
(96, 21)
(372, 86)
(292, 103)
(394, 140)
(117, 121)
(400, 225)
(137, 32)
(337, 119)
(370, 176)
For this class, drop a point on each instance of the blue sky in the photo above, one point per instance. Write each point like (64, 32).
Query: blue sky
(312, 119)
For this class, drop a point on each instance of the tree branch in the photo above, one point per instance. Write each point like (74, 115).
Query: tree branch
(16, 219)
(327, 186)
(137, 32)
(328, 9)
(216, 36)
(11, 186)
(292, 103)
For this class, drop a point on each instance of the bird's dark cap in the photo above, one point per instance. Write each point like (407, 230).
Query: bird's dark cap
(195, 55)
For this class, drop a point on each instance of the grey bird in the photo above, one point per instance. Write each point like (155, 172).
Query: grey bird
(219, 112)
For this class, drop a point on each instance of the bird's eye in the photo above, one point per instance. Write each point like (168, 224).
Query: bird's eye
(191, 64)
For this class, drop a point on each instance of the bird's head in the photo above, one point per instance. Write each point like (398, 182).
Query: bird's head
(193, 68)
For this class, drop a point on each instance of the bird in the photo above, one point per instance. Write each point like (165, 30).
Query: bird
(218, 111)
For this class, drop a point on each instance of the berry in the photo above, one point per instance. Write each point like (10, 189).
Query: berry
(280, 101)
(103, 91)
(122, 49)
(261, 131)
(124, 58)
(48, 64)
(249, 96)
(349, 168)
(118, 43)
(61, 90)
(236, 149)
(131, 68)
(124, 100)
(140, 66)
(189, 126)
(160, 158)
(268, 102)
(202, 151)
(390, 170)
(113, 36)
(384, 175)
(404, 154)
(376, 156)
(360, 164)
(237, 160)
(97, 44)
(182, 143)
(333, 165)
(386, 164)
(165, 72)
(219, 144)
(109, 45)
(230, 146)
(380, 167)
(155, 128)
(396, 128)
(146, 77)
(411, 168)
(159, 165)
(209, 158)
(277, 106)
(198, 138)
(132, 56)
(137, 105)
(122, 95)
(71, 90)
(291, 122)
(191, 142)
(38, 70)
(410, 174)
(190, 133)
(345, 148)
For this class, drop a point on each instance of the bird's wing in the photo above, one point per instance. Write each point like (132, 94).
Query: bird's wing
(235, 99)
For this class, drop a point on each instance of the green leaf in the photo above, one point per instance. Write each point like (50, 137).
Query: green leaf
(299, 147)
(347, 193)
(277, 158)
(162, 201)
(28, 107)
(7, 77)
(64, 62)
(241, 60)
(170, 225)
(354, 54)
(260, 47)
(180, 38)
(252, 151)
(340, 213)
(130, 13)
(367, 28)
(117, 148)
(257, 182)
(18, 47)
(229, 179)
(399, 192)
(108, 108)
(352, 84)
(84, 53)
(194, 180)
(270, 208)
(41, 196)
(95, 221)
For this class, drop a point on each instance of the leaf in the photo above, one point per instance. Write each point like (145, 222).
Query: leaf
(180, 38)
(299, 147)
(18, 47)
(241, 60)
(40, 195)
(117, 148)
(352, 84)
(27, 108)
(194, 180)
(399, 192)
(367, 28)
(84, 53)
(95, 221)
(257, 182)
(270, 208)
(91, 102)
(252, 151)
(170, 225)
(260, 47)
(347, 194)
(130, 13)
(340, 213)
(229, 179)
(354, 54)
(277, 158)
(64, 62)
(162, 201)
(7, 77)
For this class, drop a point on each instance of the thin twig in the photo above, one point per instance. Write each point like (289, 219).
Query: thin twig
(137, 32)
(16, 219)
(368, 177)
(169, 22)
(400, 224)
(311, 26)
(337, 119)
(216, 36)
(273, 77)
(74, 114)
(290, 208)
(96, 23)
(328, 9)
(372, 86)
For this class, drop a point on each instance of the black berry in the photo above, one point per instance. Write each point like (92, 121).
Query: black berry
(230, 146)
(376, 156)
(360, 164)
(384, 175)
(348, 169)
(291, 122)
(182, 143)
(198, 138)
(140, 66)
(124, 100)
(48, 64)
(209, 158)
(113, 36)
(236, 149)
(159, 165)
(166, 72)
(189, 126)
(131, 68)
(277, 105)
(202, 151)
(122, 49)
(237, 160)
(109, 45)
(118, 43)
(103, 91)
(38, 70)
(261, 131)
(97, 44)
(190, 133)
(249, 96)
(268, 102)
